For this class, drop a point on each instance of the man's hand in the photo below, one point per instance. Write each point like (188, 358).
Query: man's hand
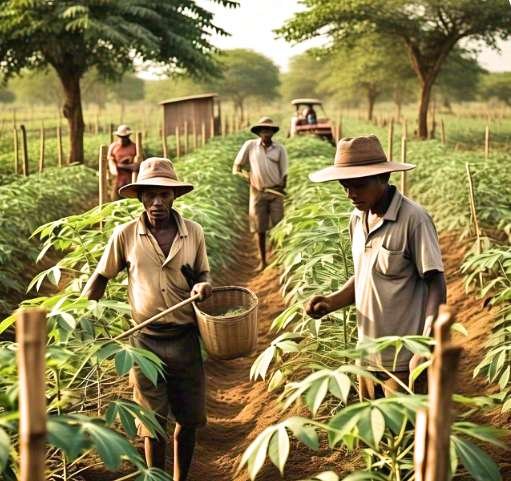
(415, 361)
(204, 289)
(317, 307)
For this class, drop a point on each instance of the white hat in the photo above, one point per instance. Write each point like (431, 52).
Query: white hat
(123, 131)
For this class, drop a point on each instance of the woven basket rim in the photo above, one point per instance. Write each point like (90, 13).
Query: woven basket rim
(237, 316)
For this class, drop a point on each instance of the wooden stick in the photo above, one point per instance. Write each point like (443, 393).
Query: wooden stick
(390, 140)
(186, 137)
(421, 444)
(487, 143)
(164, 143)
(405, 129)
(404, 186)
(211, 127)
(31, 338)
(442, 131)
(139, 156)
(203, 134)
(441, 385)
(157, 316)
(24, 150)
(178, 143)
(111, 131)
(41, 149)
(473, 212)
(222, 126)
(102, 169)
(194, 134)
(16, 151)
(60, 154)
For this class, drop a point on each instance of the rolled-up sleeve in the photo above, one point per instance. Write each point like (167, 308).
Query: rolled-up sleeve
(425, 248)
(201, 259)
(242, 157)
(113, 259)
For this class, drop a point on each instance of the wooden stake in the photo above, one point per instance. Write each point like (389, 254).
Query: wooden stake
(139, 156)
(102, 169)
(31, 338)
(405, 129)
(487, 143)
(203, 134)
(441, 385)
(390, 140)
(111, 131)
(194, 135)
(16, 151)
(404, 186)
(41, 149)
(186, 137)
(60, 154)
(178, 143)
(24, 150)
(473, 212)
(211, 127)
(164, 143)
(442, 131)
(222, 127)
(421, 444)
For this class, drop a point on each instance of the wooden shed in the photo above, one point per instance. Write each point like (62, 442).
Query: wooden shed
(193, 114)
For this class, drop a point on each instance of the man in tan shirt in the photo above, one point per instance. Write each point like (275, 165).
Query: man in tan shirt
(398, 283)
(267, 163)
(165, 256)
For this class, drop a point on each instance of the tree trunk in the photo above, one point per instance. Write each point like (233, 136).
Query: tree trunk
(73, 113)
(371, 99)
(426, 87)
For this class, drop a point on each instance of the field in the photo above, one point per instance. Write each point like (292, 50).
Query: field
(293, 406)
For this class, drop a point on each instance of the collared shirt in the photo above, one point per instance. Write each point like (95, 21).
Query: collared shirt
(122, 155)
(268, 167)
(390, 261)
(155, 283)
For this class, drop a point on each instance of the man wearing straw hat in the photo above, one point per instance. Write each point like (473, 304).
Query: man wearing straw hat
(398, 282)
(121, 159)
(159, 250)
(267, 163)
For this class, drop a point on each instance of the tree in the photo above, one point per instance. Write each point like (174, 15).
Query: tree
(6, 96)
(72, 36)
(460, 77)
(301, 80)
(429, 29)
(246, 74)
(41, 87)
(497, 85)
(371, 65)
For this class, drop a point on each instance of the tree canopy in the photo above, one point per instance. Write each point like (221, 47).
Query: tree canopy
(497, 85)
(73, 36)
(429, 29)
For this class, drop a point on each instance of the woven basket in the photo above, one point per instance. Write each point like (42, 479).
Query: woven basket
(230, 336)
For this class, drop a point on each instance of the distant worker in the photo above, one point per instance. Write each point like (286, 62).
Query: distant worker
(267, 162)
(309, 115)
(121, 160)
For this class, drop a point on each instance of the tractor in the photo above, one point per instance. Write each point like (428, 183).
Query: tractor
(306, 121)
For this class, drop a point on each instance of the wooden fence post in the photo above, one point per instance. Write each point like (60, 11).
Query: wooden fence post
(139, 156)
(111, 131)
(103, 166)
(441, 386)
(60, 154)
(222, 126)
(390, 140)
(164, 143)
(404, 186)
(405, 128)
(186, 138)
(16, 151)
(178, 143)
(194, 134)
(473, 212)
(211, 127)
(41, 149)
(24, 150)
(442, 131)
(487, 143)
(203, 134)
(31, 338)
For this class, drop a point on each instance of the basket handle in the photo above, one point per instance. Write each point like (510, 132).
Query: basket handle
(157, 316)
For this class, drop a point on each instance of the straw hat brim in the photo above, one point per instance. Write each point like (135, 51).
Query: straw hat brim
(353, 172)
(131, 190)
(123, 134)
(257, 127)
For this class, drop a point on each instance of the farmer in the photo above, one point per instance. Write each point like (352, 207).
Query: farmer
(267, 162)
(398, 282)
(309, 114)
(153, 249)
(121, 160)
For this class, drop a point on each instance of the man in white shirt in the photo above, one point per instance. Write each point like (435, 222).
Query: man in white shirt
(266, 161)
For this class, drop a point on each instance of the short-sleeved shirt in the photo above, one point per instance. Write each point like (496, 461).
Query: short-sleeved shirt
(122, 155)
(155, 283)
(268, 167)
(390, 262)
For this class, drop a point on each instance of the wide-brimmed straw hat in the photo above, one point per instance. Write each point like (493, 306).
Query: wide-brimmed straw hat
(264, 123)
(123, 131)
(156, 172)
(358, 157)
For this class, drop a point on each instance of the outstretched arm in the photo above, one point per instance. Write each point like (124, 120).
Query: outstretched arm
(95, 287)
(319, 306)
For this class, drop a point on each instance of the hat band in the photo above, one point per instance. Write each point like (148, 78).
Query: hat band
(153, 175)
(353, 163)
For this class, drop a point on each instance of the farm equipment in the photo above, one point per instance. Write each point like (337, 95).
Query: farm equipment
(306, 121)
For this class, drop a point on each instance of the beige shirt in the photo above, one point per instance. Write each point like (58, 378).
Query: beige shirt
(268, 167)
(390, 262)
(155, 283)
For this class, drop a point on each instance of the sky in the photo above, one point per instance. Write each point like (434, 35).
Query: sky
(251, 26)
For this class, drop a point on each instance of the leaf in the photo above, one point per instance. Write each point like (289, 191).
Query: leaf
(5, 447)
(279, 448)
(480, 466)
(377, 425)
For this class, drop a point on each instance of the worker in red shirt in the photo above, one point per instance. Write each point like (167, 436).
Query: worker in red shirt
(122, 161)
